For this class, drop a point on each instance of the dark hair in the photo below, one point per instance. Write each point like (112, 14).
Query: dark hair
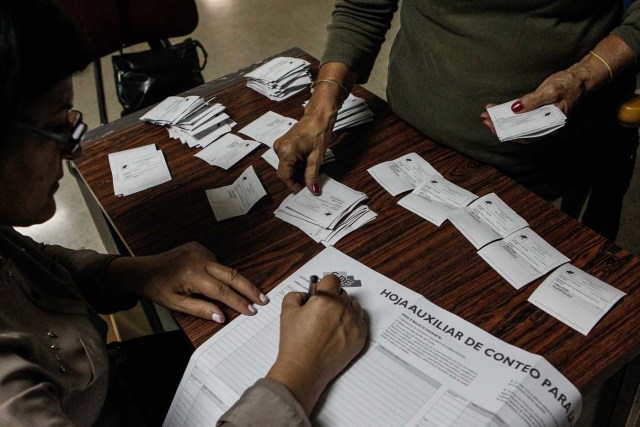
(39, 47)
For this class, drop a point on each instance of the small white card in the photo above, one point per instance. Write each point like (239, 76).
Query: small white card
(532, 124)
(238, 198)
(268, 128)
(138, 169)
(436, 198)
(227, 151)
(402, 174)
(486, 220)
(575, 298)
(522, 257)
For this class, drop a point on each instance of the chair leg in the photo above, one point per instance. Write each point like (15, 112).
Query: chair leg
(102, 104)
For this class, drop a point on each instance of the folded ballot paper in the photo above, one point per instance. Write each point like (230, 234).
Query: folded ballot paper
(280, 78)
(191, 119)
(402, 174)
(238, 198)
(533, 124)
(138, 169)
(328, 217)
(354, 111)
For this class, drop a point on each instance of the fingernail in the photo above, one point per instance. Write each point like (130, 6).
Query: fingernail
(216, 318)
(315, 188)
(517, 107)
(252, 308)
(264, 298)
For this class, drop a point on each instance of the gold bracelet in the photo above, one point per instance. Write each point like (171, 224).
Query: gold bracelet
(604, 62)
(344, 93)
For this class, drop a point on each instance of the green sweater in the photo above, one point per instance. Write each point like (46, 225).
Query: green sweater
(452, 57)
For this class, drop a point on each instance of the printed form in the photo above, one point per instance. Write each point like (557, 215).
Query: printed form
(238, 198)
(402, 174)
(423, 366)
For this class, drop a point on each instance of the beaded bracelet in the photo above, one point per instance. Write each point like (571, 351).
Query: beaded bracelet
(344, 93)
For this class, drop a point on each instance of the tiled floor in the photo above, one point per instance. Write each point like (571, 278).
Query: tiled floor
(238, 33)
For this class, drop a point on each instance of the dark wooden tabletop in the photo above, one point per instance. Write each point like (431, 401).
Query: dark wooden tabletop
(437, 262)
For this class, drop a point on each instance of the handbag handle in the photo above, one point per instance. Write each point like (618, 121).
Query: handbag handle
(204, 53)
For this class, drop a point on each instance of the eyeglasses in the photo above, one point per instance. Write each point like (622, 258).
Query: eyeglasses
(69, 138)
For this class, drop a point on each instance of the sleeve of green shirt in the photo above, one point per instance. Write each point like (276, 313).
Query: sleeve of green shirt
(356, 33)
(629, 30)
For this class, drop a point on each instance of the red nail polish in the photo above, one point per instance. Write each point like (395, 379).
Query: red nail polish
(316, 189)
(517, 107)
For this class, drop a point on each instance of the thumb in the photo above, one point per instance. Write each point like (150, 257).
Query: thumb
(293, 300)
(529, 102)
(200, 308)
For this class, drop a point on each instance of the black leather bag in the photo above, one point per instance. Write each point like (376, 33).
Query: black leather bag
(148, 77)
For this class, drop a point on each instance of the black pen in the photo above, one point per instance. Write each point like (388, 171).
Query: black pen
(313, 281)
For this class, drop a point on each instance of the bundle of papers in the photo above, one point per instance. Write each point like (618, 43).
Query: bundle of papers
(576, 298)
(328, 217)
(138, 169)
(238, 198)
(402, 174)
(191, 120)
(354, 111)
(280, 78)
(227, 151)
(436, 198)
(271, 157)
(268, 128)
(486, 220)
(532, 124)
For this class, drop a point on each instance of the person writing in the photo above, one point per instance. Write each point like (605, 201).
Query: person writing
(54, 364)
(452, 59)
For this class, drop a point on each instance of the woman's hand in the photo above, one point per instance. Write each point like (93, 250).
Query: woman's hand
(318, 338)
(178, 279)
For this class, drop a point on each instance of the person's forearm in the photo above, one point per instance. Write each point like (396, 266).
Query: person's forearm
(326, 95)
(606, 60)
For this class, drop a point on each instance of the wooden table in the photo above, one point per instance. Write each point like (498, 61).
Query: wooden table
(437, 262)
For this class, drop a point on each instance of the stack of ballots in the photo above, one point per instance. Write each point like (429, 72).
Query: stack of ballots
(329, 217)
(280, 78)
(532, 124)
(354, 111)
(191, 119)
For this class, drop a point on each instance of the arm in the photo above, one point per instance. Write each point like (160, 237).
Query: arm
(355, 35)
(318, 338)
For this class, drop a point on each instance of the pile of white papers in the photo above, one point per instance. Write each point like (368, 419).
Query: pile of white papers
(402, 174)
(354, 111)
(271, 157)
(533, 124)
(576, 298)
(191, 120)
(227, 151)
(238, 198)
(436, 198)
(268, 128)
(328, 217)
(138, 169)
(280, 78)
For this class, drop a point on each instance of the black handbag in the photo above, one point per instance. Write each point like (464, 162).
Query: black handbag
(148, 77)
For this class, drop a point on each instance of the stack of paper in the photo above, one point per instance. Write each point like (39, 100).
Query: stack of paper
(354, 111)
(436, 198)
(328, 217)
(227, 151)
(138, 169)
(238, 198)
(533, 124)
(280, 78)
(402, 174)
(191, 120)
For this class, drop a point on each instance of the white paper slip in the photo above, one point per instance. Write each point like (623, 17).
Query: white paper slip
(227, 151)
(268, 128)
(436, 198)
(575, 297)
(532, 124)
(487, 219)
(402, 174)
(522, 257)
(271, 157)
(138, 169)
(238, 198)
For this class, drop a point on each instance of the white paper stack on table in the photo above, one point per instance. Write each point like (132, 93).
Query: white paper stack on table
(138, 169)
(191, 120)
(354, 111)
(532, 124)
(328, 217)
(227, 151)
(238, 198)
(402, 174)
(436, 198)
(576, 298)
(280, 78)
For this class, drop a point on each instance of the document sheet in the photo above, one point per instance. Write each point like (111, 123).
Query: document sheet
(227, 151)
(138, 169)
(238, 198)
(575, 298)
(532, 124)
(268, 127)
(423, 366)
(402, 174)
